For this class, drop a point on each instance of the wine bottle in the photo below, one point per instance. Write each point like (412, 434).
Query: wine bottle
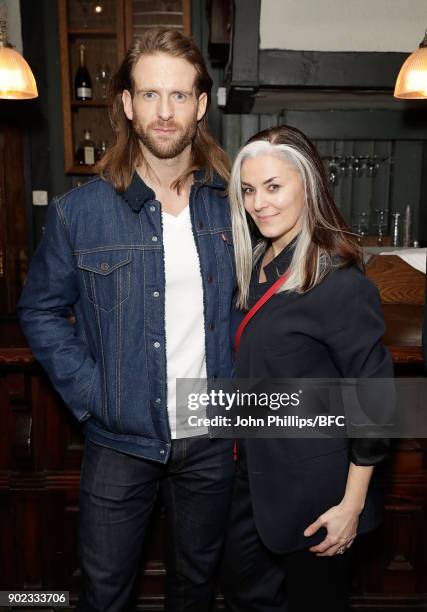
(86, 152)
(407, 226)
(83, 82)
(101, 150)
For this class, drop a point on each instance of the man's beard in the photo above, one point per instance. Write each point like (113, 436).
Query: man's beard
(173, 145)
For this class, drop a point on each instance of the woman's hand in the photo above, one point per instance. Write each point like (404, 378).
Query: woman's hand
(341, 524)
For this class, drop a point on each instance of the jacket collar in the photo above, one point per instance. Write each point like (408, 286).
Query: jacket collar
(281, 262)
(201, 176)
(138, 192)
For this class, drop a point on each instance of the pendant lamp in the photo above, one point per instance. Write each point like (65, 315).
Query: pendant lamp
(411, 82)
(17, 82)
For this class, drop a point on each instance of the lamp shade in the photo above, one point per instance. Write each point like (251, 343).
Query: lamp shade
(411, 82)
(17, 82)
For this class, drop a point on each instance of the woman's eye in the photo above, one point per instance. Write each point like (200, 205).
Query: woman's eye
(247, 190)
(273, 187)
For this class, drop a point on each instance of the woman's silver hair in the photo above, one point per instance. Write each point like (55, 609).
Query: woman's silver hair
(246, 256)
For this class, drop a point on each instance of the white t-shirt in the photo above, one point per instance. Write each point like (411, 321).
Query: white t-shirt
(185, 326)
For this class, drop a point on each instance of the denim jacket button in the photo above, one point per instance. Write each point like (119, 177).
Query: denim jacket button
(162, 452)
(158, 400)
(154, 238)
(156, 344)
(104, 266)
(156, 294)
(153, 208)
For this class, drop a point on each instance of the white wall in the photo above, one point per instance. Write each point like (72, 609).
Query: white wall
(11, 10)
(343, 25)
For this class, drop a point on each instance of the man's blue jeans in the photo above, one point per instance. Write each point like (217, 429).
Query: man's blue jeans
(117, 494)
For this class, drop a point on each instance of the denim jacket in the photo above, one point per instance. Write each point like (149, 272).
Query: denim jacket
(102, 259)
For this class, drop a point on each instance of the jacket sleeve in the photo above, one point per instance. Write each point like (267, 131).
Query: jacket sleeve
(44, 307)
(354, 340)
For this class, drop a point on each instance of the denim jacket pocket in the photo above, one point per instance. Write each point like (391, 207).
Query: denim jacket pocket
(93, 397)
(106, 276)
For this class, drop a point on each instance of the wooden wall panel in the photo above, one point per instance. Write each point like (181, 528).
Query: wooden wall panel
(39, 510)
(13, 223)
(40, 457)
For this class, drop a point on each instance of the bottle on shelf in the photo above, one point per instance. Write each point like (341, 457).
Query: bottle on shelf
(396, 230)
(407, 227)
(86, 151)
(83, 82)
(103, 145)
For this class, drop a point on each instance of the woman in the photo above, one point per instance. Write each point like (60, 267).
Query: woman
(298, 504)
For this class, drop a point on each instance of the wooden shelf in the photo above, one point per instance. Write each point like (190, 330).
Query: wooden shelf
(105, 43)
(407, 354)
(82, 170)
(89, 104)
(92, 32)
(16, 356)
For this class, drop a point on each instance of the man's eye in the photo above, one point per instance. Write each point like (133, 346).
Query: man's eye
(148, 95)
(180, 97)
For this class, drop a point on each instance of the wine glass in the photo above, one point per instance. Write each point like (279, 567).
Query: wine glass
(361, 225)
(381, 224)
(103, 75)
(372, 166)
(333, 170)
(357, 166)
(344, 166)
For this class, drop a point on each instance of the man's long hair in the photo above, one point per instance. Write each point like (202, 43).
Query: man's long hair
(120, 160)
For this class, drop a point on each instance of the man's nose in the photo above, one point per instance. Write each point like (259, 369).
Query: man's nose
(165, 108)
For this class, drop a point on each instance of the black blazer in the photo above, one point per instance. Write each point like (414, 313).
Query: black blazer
(332, 331)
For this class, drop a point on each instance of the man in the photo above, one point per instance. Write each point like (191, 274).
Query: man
(142, 256)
